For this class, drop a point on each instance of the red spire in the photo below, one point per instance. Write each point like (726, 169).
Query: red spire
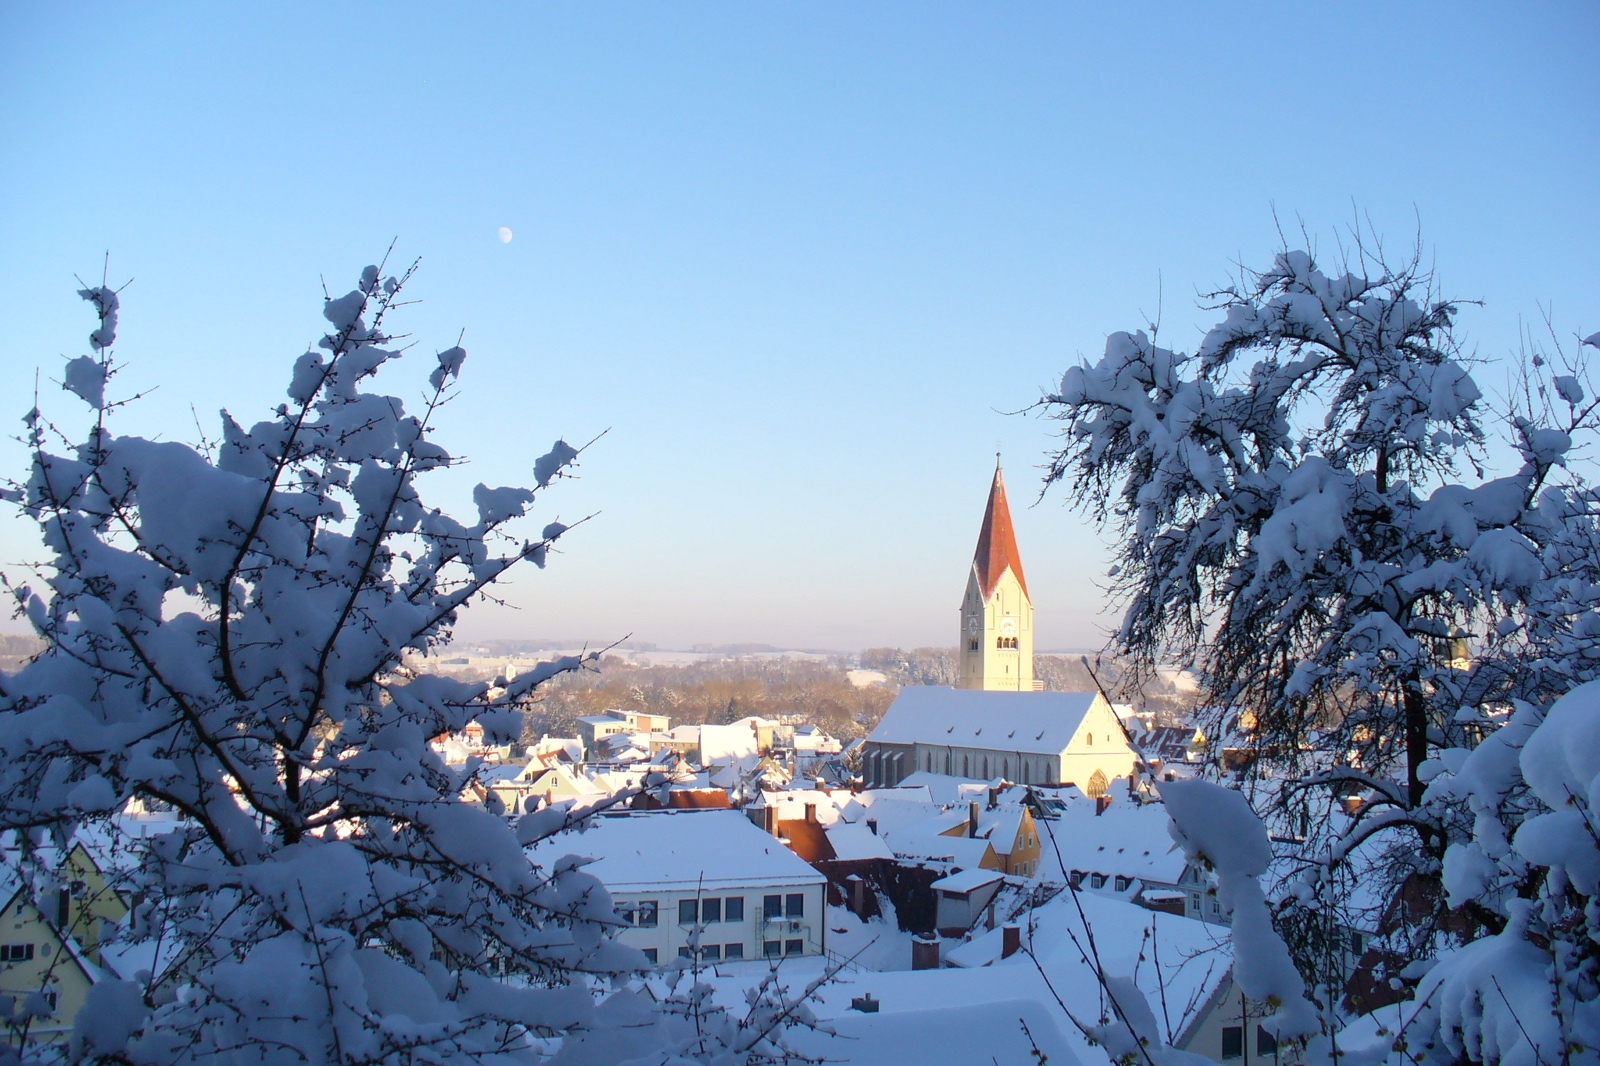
(997, 542)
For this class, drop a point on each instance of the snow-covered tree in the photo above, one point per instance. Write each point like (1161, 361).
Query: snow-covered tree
(1304, 512)
(1300, 511)
(228, 632)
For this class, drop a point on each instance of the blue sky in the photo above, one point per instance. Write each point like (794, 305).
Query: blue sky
(800, 259)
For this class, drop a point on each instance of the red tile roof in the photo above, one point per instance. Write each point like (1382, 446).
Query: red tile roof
(997, 542)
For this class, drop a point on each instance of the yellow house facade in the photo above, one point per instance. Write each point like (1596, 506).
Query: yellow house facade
(39, 967)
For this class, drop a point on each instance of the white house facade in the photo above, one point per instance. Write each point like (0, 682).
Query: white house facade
(670, 872)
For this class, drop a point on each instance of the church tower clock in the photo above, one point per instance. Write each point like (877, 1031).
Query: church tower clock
(996, 613)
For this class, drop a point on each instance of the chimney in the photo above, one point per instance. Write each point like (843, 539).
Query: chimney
(1010, 940)
(872, 826)
(811, 813)
(855, 786)
(925, 952)
(994, 797)
(972, 819)
(1101, 803)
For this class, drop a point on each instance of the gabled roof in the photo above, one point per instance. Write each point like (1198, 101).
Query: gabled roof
(997, 542)
(856, 842)
(1031, 723)
(669, 851)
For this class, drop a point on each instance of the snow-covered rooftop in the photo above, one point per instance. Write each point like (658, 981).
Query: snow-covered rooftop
(728, 743)
(854, 842)
(943, 1037)
(947, 789)
(967, 880)
(677, 850)
(964, 852)
(1032, 723)
(1129, 838)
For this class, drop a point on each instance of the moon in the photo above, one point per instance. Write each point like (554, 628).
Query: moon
(505, 234)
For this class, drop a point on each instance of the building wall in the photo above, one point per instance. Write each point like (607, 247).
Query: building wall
(987, 630)
(91, 903)
(988, 763)
(1227, 1009)
(753, 932)
(878, 766)
(1023, 860)
(50, 969)
(1099, 744)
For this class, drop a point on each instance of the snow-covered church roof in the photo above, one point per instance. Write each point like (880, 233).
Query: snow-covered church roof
(1031, 723)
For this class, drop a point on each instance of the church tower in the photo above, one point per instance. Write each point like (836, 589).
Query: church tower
(996, 613)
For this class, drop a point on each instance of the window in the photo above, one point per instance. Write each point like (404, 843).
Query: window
(772, 906)
(1121, 883)
(794, 947)
(646, 912)
(1266, 1043)
(711, 910)
(685, 953)
(733, 951)
(771, 948)
(1233, 1041)
(1097, 881)
(688, 911)
(650, 956)
(733, 909)
(16, 952)
(1077, 878)
(794, 905)
(79, 888)
(713, 952)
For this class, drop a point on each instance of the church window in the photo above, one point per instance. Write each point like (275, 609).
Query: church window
(1088, 738)
(947, 758)
(965, 771)
(999, 642)
(1005, 767)
(1097, 785)
(986, 767)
